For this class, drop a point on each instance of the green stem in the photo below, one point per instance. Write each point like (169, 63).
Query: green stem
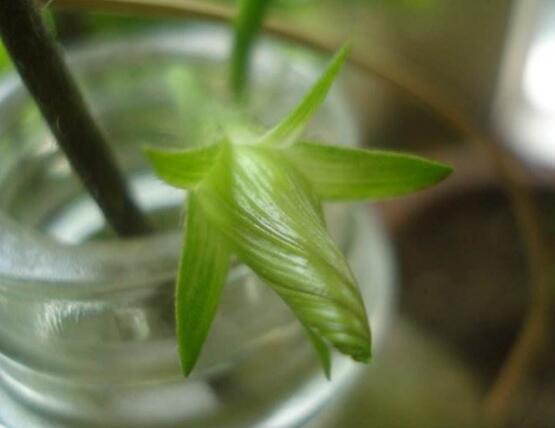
(40, 65)
(247, 26)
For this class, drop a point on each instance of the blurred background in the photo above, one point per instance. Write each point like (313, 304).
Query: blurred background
(470, 253)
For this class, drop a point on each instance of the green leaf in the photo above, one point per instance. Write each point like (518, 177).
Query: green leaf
(323, 351)
(290, 128)
(4, 58)
(270, 215)
(339, 173)
(202, 272)
(247, 26)
(183, 168)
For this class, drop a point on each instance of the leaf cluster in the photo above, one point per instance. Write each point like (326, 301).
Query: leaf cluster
(260, 199)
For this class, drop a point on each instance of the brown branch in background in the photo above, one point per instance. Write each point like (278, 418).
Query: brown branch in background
(535, 332)
(163, 8)
(533, 336)
(48, 79)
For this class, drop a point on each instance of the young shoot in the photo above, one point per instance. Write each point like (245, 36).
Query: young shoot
(260, 200)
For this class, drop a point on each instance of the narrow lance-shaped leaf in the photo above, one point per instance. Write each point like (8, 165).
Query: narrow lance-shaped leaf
(340, 173)
(247, 26)
(291, 127)
(202, 272)
(182, 168)
(322, 350)
(268, 212)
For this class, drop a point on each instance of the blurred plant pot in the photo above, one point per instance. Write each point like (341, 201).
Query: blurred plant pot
(475, 297)
(472, 296)
(86, 320)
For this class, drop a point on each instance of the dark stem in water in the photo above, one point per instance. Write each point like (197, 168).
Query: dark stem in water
(40, 64)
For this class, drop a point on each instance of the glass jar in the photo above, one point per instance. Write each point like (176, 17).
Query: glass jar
(86, 320)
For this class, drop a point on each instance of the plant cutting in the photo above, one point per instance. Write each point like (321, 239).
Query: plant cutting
(259, 197)
(256, 194)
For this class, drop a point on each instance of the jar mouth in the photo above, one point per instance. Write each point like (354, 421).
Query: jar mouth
(29, 258)
(96, 320)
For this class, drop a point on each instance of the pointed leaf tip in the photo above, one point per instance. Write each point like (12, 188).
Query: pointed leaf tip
(202, 271)
(290, 128)
(322, 350)
(345, 173)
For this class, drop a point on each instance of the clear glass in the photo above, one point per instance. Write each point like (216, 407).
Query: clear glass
(86, 320)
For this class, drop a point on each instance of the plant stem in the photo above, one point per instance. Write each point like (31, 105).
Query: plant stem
(165, 8)
(40, 65)
(533, 338)
(247, 25)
